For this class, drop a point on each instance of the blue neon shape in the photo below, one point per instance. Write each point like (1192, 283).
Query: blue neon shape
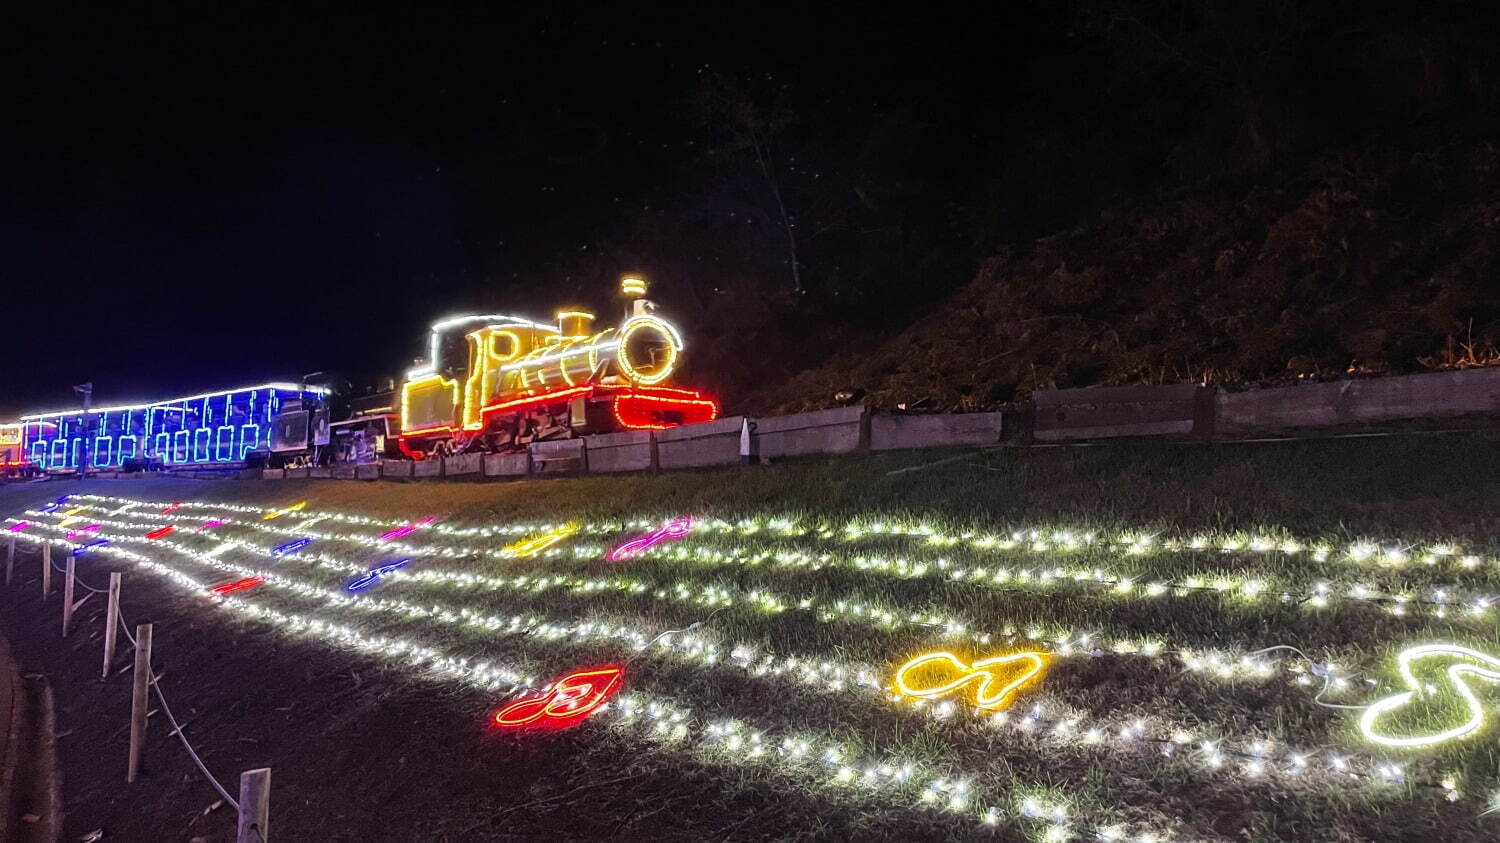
(372, 576)
(290, 547)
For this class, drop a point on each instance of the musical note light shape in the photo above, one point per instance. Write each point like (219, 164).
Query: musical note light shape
(564, 703)
(533, 545)
(1455, 674)
(406, 529)
(372, 576)
(237, 585)
(940, 674)
(674, 529)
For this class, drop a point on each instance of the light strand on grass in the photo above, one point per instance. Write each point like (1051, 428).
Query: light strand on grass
(822, 675)
(665, 721)
(1385, 553)
(1221, 664)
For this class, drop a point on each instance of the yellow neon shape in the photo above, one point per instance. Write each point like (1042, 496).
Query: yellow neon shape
(483, 368)
(662, 370)
(412, 386)
(277, 513)
(633, 285)
(533, 545)
(987, 696)
(1455, 674)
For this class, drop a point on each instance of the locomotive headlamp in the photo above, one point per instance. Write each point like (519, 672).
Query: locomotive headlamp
(648, 350)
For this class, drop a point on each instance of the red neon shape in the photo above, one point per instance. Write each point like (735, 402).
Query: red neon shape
(636, 546)
(641, 409)
(565, 702)
(162, 533)
(237, 585)
(171, 509)
(416, 455)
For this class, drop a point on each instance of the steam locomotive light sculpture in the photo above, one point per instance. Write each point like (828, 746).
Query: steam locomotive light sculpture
(526, 380)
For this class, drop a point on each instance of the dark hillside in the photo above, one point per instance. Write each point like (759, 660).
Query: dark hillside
(1367, 261)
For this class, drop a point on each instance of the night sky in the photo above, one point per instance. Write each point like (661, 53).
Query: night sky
(195, 202)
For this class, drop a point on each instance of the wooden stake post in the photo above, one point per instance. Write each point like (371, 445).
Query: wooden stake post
(139, 699)
(111, 623)
(70, 581)
(10, 560)
(46, 569)
(255, 806)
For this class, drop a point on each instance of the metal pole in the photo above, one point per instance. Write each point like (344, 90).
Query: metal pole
(69, 580)
(46, 569)
(111, 624)
(138, 698)
(255, 806)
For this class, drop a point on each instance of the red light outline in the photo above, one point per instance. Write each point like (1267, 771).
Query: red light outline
(162, 532)
(566, 702)
(679, 398)
(557, 394)
(237, 585)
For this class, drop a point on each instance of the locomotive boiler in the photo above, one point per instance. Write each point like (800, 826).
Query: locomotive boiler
(494, 382)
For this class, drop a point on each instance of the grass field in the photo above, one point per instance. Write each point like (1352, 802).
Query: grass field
(1202, 612)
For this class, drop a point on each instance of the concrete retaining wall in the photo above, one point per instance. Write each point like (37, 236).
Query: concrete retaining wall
(558, 455)
(427, 468)
(1104, 412)
(344, 472)
(398, 469)
(463, 464)
(823, 432)
(272, 473)
(888, 432)
(1359, 402)
(316, 472)
(632, 450)
(698, 445)
(507, 465)
(298, 473)
(367, 472)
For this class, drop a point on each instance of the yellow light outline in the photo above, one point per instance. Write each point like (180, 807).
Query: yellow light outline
(482, 358)
(984, 698)
(532, 545)
(664, 369)
(412, 385)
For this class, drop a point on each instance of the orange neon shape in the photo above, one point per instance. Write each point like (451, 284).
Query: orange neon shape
(171, 509)
(940, 674)
(564, 703)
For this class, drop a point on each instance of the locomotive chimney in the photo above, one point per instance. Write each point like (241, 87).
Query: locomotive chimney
(575, 323)
(633, 291)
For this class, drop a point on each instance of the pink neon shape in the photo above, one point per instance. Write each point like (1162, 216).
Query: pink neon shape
(211, 523)
(635, 547)
(19, 526)
(92, 528)
(407, 529)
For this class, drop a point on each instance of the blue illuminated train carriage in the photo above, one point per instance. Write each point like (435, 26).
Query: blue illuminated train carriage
(212, 430)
